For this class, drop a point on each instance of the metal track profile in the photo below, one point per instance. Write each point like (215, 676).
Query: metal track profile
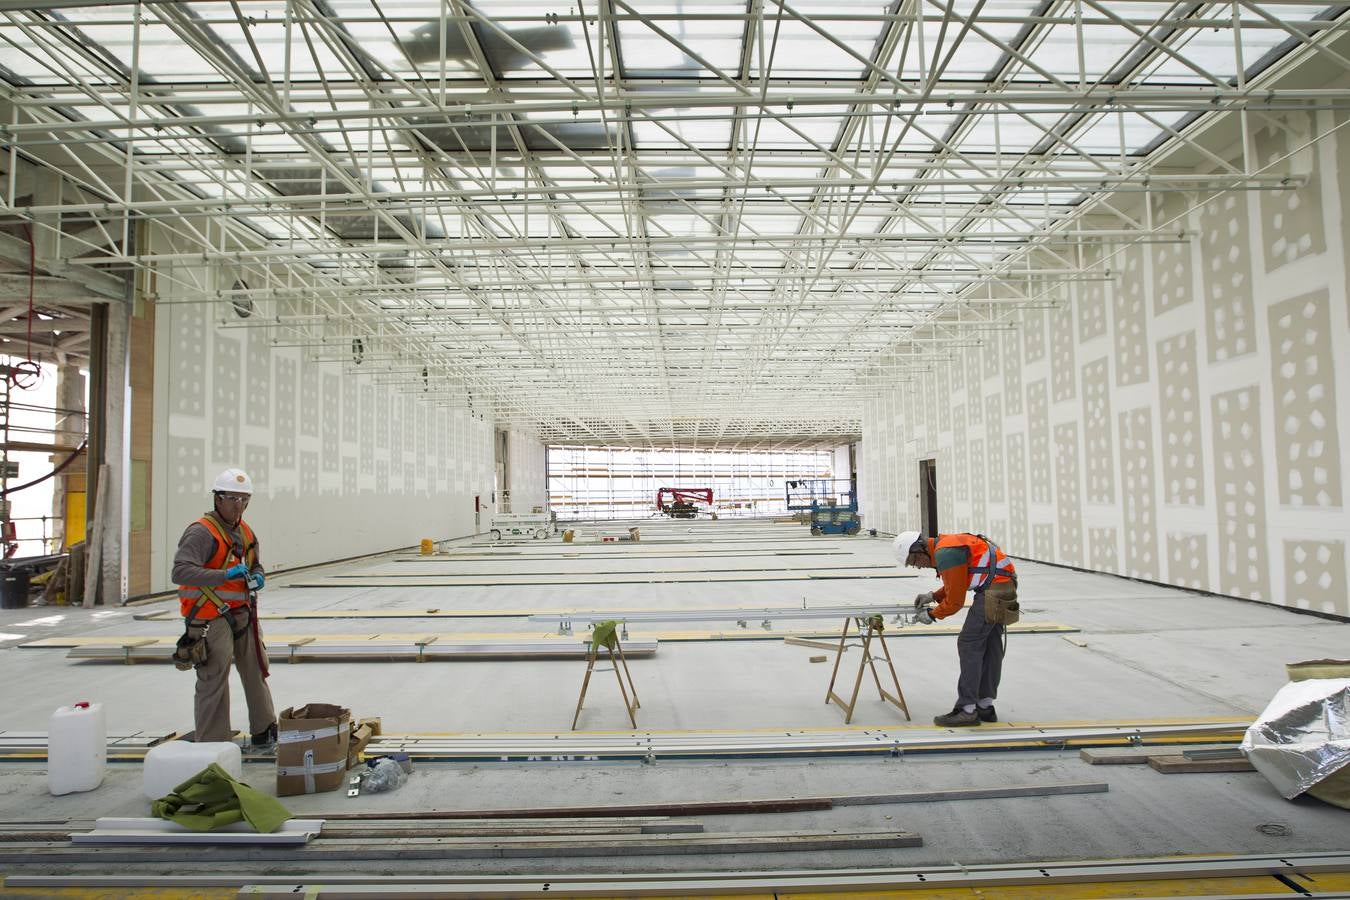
(621, 883)
(21, 741)
(395, 650)
(650, 746)
(740, 616)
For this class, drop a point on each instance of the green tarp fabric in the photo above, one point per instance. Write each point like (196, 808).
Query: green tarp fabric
(212, 799)
(604, 635)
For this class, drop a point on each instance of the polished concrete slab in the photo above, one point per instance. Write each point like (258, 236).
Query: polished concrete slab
(1143, 652)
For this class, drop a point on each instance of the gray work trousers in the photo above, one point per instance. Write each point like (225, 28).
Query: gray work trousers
(980, 648)
(211, 706)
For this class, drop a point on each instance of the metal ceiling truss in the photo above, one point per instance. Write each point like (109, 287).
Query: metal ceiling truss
(717, 223)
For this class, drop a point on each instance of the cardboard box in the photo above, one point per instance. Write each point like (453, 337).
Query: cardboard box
(362, 732)
(312, 742)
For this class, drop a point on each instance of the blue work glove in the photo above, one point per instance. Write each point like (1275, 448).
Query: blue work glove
(255, 581)
(236, 571)
(925, 616)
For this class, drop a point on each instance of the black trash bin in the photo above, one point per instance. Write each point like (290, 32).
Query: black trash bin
(14, 588)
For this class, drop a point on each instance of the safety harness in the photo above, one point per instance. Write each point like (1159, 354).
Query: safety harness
(191, 652)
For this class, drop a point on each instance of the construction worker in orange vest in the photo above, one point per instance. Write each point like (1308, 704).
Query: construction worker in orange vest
(963, 562)
(218, 575)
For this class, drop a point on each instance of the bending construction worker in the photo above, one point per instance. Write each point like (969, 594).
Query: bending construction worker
(964, 562)
(218, 575)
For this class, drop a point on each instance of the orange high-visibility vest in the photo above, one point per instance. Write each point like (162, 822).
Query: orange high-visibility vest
(231, 593)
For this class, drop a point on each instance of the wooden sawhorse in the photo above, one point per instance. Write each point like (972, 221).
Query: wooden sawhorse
(605, 634)
(869, 627)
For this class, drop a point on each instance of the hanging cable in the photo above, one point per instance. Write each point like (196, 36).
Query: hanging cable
(25, 374)
(74, 455)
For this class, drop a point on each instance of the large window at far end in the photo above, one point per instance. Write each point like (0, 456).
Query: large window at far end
(622, 483)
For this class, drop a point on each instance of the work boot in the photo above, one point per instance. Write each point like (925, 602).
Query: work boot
(957, 716)
(265, 738)
(986, 713)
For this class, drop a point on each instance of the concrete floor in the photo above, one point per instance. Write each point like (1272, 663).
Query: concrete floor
(1143, 653)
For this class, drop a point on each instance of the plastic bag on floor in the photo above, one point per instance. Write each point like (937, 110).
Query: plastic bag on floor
(384, 775)
(1302, 738)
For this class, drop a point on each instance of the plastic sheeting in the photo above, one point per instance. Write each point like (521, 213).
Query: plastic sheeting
(1303, 736)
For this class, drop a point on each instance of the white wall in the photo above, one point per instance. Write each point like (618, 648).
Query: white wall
(341, 466)
(529, 477)
(1178, 422)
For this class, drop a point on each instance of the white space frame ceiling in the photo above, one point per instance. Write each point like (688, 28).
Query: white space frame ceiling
(681, 222)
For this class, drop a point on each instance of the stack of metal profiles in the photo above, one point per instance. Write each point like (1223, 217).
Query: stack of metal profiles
(650, 746)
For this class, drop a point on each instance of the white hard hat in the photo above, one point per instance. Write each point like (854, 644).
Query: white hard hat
(903, 541)
(233, 481)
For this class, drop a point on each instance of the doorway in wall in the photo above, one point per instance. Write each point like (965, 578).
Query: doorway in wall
(928, 497)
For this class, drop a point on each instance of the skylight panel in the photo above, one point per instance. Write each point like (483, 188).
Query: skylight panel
(1104, 46)
(1214, 51)
(1110, 132)
(780, 128)
(705, 128)
(597, 225)
(975, 55)
(672, 48)
(26, 59)
(1007, 133)
(162, 54)
(513, 47)
(793, 49)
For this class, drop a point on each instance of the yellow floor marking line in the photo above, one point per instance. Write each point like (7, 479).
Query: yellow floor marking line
(1255, 885)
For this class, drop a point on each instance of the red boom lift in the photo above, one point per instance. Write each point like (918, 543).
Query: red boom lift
(678, 503)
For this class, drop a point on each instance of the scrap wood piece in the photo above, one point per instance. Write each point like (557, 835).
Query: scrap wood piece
(692, 808)
(1138, 756)
(1180, 765)
(817, 645)
(295, 645)
(1028, 790)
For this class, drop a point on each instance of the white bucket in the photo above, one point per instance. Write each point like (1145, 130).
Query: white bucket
(77, 748)
(169, 765)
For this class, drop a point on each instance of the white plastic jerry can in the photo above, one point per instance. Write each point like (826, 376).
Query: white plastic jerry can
(77, 748)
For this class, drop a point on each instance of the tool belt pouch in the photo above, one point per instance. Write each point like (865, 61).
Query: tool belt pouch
(1000, 604)
(189, 652)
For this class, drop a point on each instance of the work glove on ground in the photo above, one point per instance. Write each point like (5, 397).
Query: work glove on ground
(255, 581)
(238, 570)
(925, 616)
(924, 600)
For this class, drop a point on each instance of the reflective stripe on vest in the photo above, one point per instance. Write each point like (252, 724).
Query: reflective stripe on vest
(983, 574)
(229, 594)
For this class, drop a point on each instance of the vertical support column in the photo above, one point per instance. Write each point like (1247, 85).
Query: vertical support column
(70, 430)
(107, 459)
(116, 511)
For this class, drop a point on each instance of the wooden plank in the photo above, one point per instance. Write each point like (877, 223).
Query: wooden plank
(1029, 790)
(1180, 765)
(692, 808)
(1136, 756)
(816, 645)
